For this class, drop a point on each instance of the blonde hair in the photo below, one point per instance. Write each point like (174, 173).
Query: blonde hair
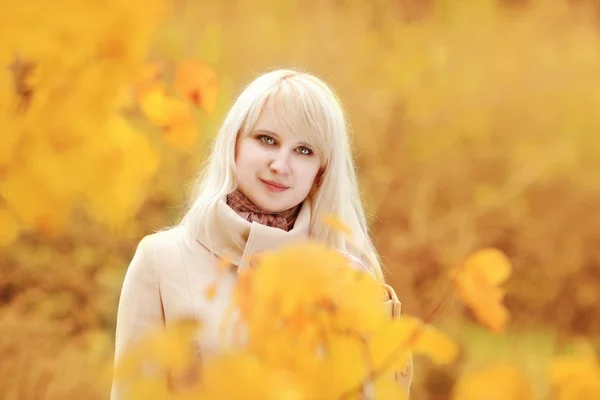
(309, 108)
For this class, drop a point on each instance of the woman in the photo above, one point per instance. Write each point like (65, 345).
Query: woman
(280, 163)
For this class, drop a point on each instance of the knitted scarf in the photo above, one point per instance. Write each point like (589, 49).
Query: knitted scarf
(252, 213)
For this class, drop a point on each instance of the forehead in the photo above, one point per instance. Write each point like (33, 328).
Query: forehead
(296, 117)
(270, 121)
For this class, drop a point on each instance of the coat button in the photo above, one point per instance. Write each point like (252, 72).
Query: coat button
(405, 370)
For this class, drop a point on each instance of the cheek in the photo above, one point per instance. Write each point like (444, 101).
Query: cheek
(246, 155)
(309, 170)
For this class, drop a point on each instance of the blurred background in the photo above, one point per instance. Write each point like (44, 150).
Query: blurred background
(475, 124)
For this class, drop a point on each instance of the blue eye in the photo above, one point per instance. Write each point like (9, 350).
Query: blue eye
(266, 139)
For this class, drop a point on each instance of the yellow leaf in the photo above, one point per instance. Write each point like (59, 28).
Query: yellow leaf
(490, 263)
(337, 224)
(169, 349)
(181, 131)
(346, 363)
(253, 379)
(154, 104)
(149, 76)
(498, 382)
(389, 388)
(435, 344)
(196, 82)
(174, 116)
(148, 389)
(575, 376)
(276, 282)
(476, 283)
(408, 334)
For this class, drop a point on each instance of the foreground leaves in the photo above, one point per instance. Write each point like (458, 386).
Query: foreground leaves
(496, 382)
(576, 376)
(310, 326)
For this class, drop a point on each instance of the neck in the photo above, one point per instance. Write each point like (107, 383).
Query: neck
(245, 208)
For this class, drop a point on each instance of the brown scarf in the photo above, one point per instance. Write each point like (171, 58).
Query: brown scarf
(252, 213)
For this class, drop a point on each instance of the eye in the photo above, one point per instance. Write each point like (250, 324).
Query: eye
(305, 151)
(266, 139)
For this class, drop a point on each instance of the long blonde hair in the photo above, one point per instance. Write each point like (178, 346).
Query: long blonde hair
(309, 108)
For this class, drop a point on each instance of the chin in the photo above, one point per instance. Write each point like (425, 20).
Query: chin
(266, 203)
(275, 206)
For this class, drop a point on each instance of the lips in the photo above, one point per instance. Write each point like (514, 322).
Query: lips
(272, 183)
(274, 186)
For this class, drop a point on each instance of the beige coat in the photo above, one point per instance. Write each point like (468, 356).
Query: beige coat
(167, 279)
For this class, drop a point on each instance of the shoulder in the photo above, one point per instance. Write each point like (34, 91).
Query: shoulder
(165, 239)
(165, 245)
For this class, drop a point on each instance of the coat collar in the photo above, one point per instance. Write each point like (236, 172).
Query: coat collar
(233, 237)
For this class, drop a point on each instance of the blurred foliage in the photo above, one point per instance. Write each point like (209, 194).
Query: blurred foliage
(40, 359)
(475, 125)
(346, 343)
(64, 77)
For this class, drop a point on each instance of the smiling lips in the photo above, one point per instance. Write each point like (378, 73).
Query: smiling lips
(274, 186)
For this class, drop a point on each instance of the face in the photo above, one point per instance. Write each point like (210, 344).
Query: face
(276, 170)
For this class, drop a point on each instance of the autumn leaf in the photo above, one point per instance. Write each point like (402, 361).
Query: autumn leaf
(150, 75)
(575, 376)
(252, 378)
(477, 284)
(275, 284)
(346, 362)
(337, 224)
(496, 382)
(492, 263)
(196, 82)
(160, 108)
(436, 345)
(409, 334)
(389, 389)
(175, 117)
(181, 130)
(169, 349)
(150, 389)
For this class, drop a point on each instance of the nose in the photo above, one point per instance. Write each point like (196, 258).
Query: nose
(280, 163)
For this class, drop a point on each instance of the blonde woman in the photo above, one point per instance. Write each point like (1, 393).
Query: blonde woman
(280, 163)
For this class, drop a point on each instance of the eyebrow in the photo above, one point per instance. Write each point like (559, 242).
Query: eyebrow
(276, 136)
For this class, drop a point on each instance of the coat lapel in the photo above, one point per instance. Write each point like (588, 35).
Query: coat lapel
(232, 237)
